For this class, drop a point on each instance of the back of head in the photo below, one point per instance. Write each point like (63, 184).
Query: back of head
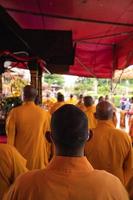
(80, 97)
(104, 110)
(131, 100)
(47, 95)
(101, 98)
(71, 96)
(69, 127)
(60, 97)
(30, 93)
(106, 97)
(88, 101)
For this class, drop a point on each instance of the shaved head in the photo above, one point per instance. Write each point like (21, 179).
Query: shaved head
(60, 97)
(101, 98)
(30, 93)
(88, 101)
(104, 110)
(69, 127)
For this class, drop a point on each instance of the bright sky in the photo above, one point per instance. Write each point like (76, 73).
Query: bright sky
(69, 79)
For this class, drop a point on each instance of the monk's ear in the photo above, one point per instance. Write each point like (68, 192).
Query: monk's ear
(90, 135)
(48, 136)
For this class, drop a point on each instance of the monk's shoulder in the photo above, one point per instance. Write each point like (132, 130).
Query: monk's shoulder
(28, 179)
(118, 133)
(105, 179)
(41, 110)
(14, 110)
(103, 175)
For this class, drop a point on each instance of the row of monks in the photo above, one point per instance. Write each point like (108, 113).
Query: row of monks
(69, 152)
(86, 104)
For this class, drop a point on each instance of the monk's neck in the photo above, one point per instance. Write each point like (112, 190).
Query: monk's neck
(70, 153)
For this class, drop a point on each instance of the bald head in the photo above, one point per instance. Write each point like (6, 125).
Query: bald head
(104, 110)
(30, 93)
(69, 127)
(88, 101)
(101, 98)
(60, 97)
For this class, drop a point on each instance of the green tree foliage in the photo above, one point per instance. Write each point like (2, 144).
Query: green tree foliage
(54, 79)
(104, 86)
(130, 81)
(83, 84)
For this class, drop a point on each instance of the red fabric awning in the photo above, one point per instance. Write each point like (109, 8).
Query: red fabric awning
(102, 30)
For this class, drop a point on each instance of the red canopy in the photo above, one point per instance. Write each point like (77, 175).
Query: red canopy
(103, 30)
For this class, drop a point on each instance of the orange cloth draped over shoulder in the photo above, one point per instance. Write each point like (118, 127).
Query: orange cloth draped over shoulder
(110, 149)
(80, 106)
(66, 178)
(26, 127)
(12, 164)
(92, 121)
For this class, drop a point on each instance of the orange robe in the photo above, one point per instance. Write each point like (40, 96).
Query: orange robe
(72, 101)
(131, 128)
(48, 103)
(92, 121)
(129, 188)
(26, 127)
(114, 120)
(67, 178)
(110, 149)
(56, 106)
(80, 106)
(11, 165)
(122, 119)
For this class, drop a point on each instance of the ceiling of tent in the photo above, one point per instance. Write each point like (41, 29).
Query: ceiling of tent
(102, 30)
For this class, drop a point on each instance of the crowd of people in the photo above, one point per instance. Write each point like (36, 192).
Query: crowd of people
(70, 150)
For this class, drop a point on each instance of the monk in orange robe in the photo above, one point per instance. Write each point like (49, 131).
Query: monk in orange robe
(90, 110)
(26, 127)
(69, 176)
(48, 102)
(110, 149)
(60, 102)
(71, 100)
(80, 103)
(123, 118)
(12, 164)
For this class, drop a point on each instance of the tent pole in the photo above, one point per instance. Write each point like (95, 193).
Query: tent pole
(40, 86)
(114, 64)
(86, 68)
(34, 78)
